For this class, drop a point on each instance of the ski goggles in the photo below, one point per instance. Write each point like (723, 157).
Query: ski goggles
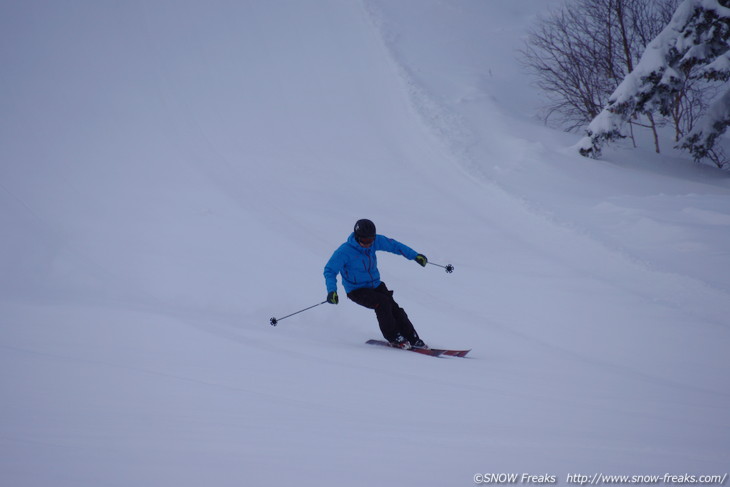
(366, 240)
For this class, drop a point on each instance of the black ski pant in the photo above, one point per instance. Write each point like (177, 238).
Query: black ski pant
(392, 319)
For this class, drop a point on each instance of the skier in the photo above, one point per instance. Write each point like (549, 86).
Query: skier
(355, 260)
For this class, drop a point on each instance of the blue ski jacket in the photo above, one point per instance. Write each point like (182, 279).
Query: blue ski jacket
(358, 265)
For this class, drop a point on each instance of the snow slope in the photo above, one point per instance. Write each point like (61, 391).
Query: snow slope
(174, 173)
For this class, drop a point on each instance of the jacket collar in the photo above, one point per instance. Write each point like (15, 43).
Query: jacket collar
(354, 243)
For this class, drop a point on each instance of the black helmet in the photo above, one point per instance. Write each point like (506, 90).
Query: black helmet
(364, 229)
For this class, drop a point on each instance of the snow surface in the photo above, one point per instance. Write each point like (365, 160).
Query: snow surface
(174, 173)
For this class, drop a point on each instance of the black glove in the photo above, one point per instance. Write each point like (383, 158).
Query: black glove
(421, 259)
(332, 297)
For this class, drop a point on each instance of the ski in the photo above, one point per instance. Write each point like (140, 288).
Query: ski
(422, 351)
(434, 352)
(456, 353)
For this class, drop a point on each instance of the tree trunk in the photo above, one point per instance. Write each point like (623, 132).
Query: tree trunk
(652, 123)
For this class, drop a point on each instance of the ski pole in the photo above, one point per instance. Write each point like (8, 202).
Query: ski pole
(274, 321)
(449, 268)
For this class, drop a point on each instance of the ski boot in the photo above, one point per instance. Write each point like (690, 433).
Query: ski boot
(401, 342)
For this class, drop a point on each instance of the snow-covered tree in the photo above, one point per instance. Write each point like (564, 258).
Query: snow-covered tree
(580, 52)
(700, 142)
(695, 44)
